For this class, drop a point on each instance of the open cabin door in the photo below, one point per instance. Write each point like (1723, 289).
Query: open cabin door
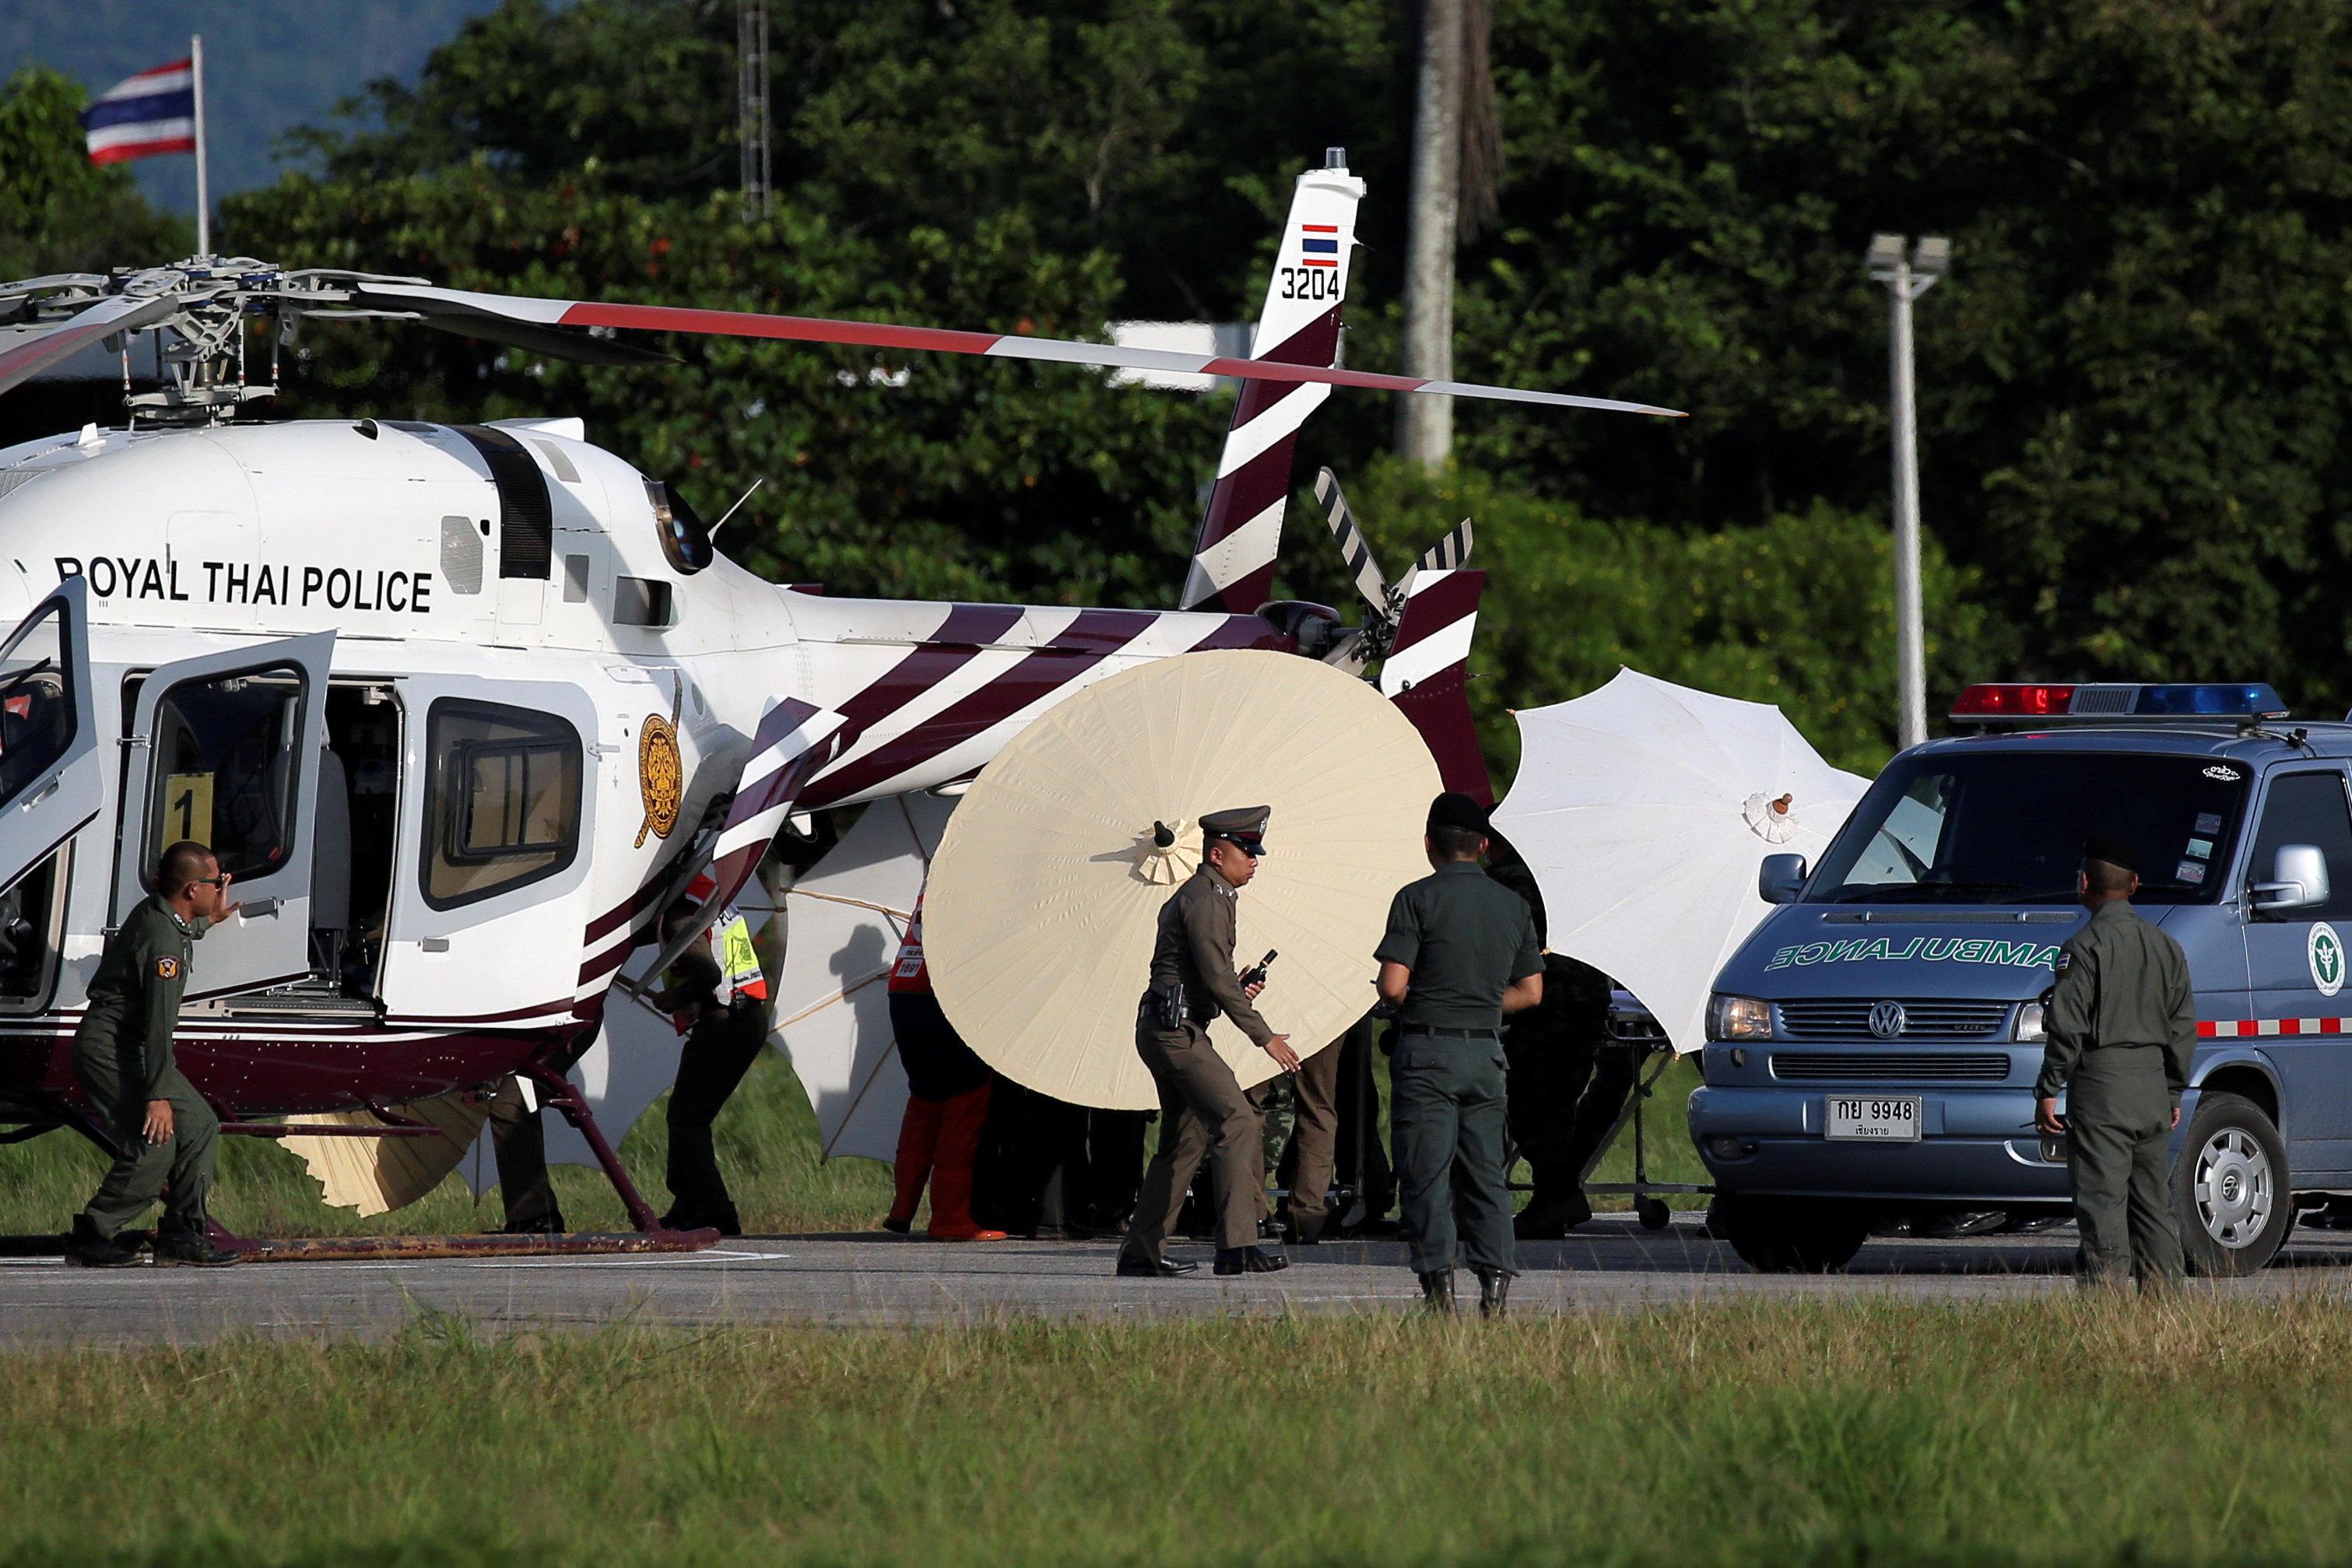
(224, 750)
(52, 774)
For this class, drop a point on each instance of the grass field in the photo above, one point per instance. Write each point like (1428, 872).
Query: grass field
(2058, 1431)
(767, 1145)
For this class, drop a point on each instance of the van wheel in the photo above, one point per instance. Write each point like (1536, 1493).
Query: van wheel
(1795, 1235)
(2231, 1189)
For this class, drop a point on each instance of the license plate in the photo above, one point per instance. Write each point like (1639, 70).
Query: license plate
(1877, 1118)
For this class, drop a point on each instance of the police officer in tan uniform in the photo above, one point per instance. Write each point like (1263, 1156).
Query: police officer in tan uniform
(1203, 1109)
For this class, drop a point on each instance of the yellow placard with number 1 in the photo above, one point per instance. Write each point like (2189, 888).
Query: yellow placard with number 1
(186, 810)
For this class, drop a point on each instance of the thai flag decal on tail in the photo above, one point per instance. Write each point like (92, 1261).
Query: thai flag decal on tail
(1320, 245)
(142, 116)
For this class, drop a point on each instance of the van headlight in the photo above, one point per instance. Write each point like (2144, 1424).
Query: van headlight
(2031, 1024)
(1739, 1017)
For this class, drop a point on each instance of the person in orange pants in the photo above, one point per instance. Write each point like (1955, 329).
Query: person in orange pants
(947, 1104)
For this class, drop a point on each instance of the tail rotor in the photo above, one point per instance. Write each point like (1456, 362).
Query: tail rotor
(1385, 601)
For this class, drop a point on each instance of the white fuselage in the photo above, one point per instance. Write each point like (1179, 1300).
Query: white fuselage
(427, 566)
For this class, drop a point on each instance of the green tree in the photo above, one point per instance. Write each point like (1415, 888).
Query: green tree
(58, 211)
(2133, 408)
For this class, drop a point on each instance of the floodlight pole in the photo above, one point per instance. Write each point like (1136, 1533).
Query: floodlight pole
(1906, 280)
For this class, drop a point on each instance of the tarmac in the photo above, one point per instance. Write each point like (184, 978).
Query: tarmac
(854, 1281)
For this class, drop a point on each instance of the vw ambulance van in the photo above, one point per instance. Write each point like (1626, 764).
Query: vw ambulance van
(1872, 1049)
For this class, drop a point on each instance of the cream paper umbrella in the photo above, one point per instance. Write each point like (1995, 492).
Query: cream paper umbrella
(1046, 889)
(376, 1174)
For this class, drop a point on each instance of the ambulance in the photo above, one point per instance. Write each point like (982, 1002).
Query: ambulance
(1871, 1048)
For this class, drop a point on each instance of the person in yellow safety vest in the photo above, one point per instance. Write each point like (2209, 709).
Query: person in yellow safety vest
(717, 999)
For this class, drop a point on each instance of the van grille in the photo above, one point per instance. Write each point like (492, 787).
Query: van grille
(1892, 1067)
(1848, 1018)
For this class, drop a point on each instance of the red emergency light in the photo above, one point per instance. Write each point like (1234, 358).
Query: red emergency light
(2014, 700)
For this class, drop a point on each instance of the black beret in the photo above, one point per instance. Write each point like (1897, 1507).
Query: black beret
(2116, 852)
(1456, 810)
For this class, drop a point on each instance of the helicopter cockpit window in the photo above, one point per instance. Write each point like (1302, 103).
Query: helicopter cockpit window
(37, 715)
(683, 540)
(224, 768)
(501, 799)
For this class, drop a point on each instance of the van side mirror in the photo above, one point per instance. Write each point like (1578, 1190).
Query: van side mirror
(1780, 878)
(2298, 880)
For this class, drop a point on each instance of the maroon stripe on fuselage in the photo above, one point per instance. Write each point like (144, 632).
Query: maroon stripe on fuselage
(1077, 648)
(1244, 632)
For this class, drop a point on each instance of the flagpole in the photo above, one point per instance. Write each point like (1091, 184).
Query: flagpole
(204, 189)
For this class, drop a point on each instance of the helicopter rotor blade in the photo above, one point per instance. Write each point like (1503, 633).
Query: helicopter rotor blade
(1353, 549)
(1448, 553)
(560, 313)
(35, 349)
(556, 342)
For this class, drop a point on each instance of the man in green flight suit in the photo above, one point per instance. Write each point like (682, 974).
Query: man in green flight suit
(123, 1059)
(1459, 952)
(1202, 1108)
(2122, 1024)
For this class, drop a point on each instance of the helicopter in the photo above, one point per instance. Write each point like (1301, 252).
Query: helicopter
(462, 708)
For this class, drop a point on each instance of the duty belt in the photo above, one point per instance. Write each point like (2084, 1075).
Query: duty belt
(1444, 1033)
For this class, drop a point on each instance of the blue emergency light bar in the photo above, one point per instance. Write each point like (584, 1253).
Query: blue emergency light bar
(2039, 700)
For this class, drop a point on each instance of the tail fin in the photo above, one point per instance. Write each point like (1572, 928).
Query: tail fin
(1241, 531)
(1426, 673)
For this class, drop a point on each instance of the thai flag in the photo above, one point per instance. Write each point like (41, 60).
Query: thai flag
(140, 116)
(1319, 244)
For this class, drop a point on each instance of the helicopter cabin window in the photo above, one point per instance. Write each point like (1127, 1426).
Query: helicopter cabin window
(224, 768)
(501, 800)
(640, 601)
(32, 917)
(37, 715)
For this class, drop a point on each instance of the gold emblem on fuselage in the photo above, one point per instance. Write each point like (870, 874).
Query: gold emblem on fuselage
(661, 769)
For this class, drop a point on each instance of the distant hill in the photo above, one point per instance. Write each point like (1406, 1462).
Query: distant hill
(270, 64)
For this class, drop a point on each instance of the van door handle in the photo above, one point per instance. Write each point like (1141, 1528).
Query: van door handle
(45, 792)
(256, 908)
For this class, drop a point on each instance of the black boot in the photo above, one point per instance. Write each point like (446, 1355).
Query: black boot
(1438, 1292)
(545, 1225)
(1249, 1261)
(91, 1250)
(1136, 1266)
(189, 1247)
(1494, 1290)
(1556, 1206)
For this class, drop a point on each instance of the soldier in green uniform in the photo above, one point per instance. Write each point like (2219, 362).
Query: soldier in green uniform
(122, 1060)
(1459, 952)
(2122, 1025)
(1203, 1109)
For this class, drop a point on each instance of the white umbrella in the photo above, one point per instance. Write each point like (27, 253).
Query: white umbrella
(1644, 810)
(1040, 920)
(833, 1010)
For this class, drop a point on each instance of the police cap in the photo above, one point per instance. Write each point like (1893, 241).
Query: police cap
(2116, 852)
(1456, 810)
(1243, 827)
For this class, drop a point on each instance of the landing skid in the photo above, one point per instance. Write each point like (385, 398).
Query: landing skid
(553, 1089)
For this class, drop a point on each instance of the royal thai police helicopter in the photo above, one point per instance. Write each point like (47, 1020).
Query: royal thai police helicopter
(463, 707)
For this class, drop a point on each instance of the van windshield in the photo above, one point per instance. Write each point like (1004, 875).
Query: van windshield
(2007, 827)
